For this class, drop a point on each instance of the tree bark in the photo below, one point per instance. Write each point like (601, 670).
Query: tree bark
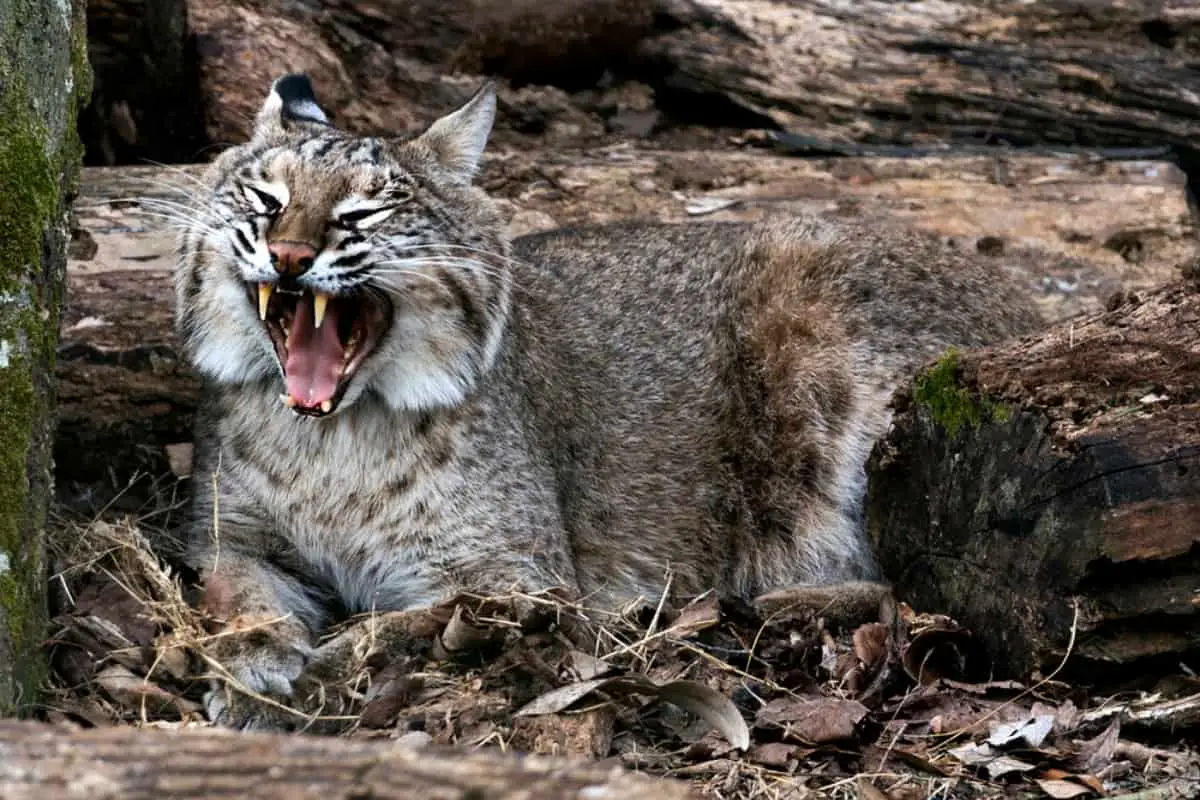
(1044, 493)
(1075, 229)
(43, 75)
(40, 762)
(975, 71)
(145, 100)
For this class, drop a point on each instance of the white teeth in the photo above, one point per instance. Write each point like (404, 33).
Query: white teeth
(264, 300)
(327, 406)
(320, 300)
(287, 400)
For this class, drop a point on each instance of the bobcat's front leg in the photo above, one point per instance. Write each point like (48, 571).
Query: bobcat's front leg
(267, 620)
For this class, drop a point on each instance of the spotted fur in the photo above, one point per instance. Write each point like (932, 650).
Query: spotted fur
(593, 408)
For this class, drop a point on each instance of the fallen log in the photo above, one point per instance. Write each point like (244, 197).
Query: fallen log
(143, 103)
(1045, 493)
(980, 71)
(1075, 229)
(42, 762)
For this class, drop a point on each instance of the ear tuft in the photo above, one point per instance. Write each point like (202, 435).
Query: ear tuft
(457, 140)
(291, 101)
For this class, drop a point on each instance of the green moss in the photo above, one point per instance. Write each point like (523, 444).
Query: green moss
(952, 405)
(39, 161)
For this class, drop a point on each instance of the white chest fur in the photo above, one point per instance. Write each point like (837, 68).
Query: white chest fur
(355, 495)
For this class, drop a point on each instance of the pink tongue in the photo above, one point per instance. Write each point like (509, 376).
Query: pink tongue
(314, 360)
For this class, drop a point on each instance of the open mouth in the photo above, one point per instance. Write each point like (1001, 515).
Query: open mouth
(321, 340)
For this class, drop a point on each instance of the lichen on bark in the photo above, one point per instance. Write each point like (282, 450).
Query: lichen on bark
(43, 78)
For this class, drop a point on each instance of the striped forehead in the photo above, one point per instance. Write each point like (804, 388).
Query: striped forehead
(327, 167)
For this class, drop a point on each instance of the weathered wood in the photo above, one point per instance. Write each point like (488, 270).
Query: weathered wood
(41, 762)
(391, 67)
(1045, 493)
(980, 71)
(43, 78)
(1075, 230)
(144, 105)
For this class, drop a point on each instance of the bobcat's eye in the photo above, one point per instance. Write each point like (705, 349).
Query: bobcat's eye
(262, 202)
(365, 217)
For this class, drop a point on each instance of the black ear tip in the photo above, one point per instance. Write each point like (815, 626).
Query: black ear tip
(295, 88)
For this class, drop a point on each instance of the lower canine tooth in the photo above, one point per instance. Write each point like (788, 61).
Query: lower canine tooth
(327, 406)
(264, 300)
(287, 400)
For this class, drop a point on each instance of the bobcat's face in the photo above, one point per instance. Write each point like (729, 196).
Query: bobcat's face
(333, 266)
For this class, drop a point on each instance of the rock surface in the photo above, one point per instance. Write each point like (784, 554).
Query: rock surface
(43, 75)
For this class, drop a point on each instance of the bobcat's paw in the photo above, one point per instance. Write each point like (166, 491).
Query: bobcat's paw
(228, 708)
(264, 661)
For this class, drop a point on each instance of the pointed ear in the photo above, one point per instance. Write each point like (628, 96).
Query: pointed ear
(290, 102)
(457, 139)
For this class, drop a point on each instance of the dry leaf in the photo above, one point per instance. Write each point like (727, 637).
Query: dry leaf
(1062, 789)
(713, 707)
(815, 721)
(461, 635)
(943, 650)
(138, 695)
(996, 764)
(870, 643)
(772, 754)
(1097, 753)
(587, 667)
(703, 612)
(179, 459)
(868, 790)
(1032, 731)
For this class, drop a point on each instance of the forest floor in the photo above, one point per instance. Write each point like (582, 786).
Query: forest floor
(738, 705)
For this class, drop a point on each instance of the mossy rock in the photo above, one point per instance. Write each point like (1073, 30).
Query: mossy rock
(44, 79)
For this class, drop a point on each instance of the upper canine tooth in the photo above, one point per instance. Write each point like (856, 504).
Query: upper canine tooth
(264, 299)
(320, 300)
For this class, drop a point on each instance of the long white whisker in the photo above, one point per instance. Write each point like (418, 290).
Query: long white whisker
(448, 246)
(183, 223)
(182, 173)
(184, 208)
(470, 264)
(414, 273)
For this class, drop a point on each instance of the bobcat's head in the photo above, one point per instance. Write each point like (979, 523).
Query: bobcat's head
(332, 267)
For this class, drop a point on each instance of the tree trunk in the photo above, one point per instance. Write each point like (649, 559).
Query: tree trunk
(1075, 229)
(1046, 493)
(43, 75)
(40, 762)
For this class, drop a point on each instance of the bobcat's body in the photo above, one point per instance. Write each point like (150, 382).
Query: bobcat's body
(593, 408)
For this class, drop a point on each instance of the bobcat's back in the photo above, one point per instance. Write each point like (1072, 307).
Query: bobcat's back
(709, 392)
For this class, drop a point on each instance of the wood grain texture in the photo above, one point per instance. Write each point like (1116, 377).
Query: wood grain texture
(1067, 515)
(981, 71)
(41, 762)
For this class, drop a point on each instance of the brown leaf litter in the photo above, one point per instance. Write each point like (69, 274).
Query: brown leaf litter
(740, 703)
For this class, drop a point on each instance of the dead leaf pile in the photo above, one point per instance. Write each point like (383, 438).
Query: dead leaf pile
(772, 701)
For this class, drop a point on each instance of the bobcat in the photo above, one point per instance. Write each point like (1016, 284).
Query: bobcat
(400, 403)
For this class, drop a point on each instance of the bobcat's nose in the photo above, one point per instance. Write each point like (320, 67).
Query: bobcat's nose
(291, 258)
